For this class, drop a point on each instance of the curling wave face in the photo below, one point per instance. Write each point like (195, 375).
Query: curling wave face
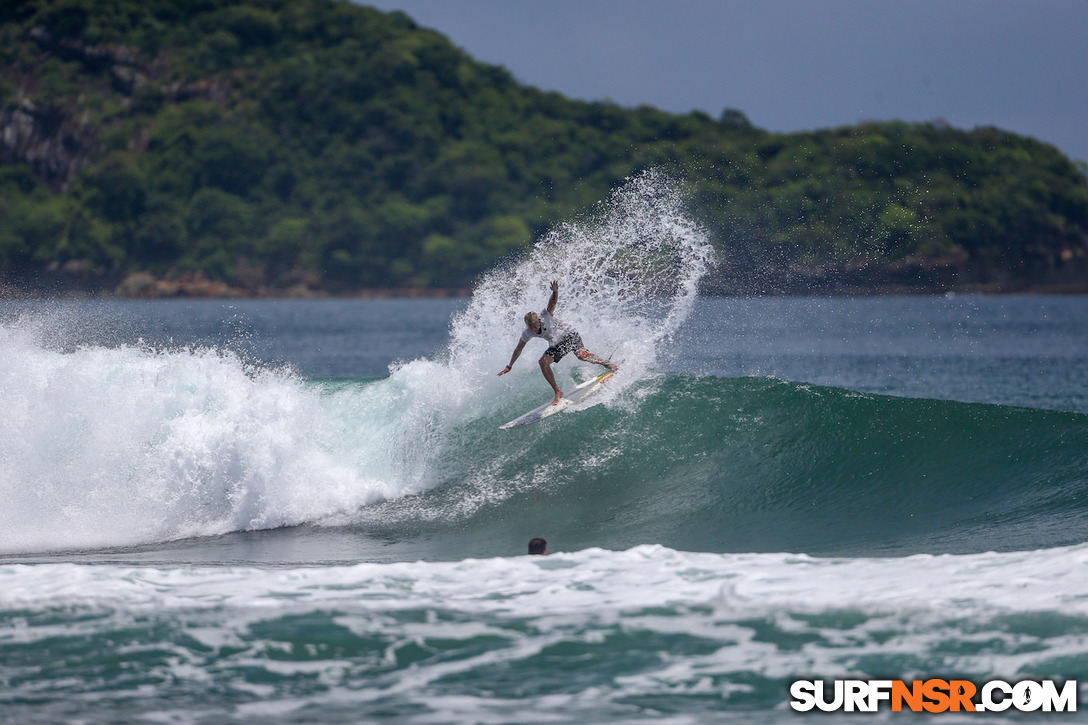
(109, 446)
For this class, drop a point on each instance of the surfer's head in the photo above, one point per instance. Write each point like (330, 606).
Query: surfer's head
(532, 321)
(538, 546)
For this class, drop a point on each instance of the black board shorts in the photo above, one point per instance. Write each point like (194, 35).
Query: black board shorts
(569, 343)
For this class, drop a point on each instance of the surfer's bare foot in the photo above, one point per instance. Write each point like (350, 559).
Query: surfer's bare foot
(558, 397)
(613, 367)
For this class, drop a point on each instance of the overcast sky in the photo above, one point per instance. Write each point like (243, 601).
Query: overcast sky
(791, 65)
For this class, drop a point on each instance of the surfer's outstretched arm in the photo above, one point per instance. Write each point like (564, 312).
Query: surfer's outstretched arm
(554, 298)
(517, 353)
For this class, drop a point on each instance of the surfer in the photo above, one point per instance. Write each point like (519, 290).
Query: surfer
(538, 547)
(561, 337)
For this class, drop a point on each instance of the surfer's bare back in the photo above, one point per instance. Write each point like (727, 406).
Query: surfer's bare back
(561, 337)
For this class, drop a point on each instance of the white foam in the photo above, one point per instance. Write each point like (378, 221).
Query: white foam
(114, 446)
(762, 617)
(628, 275)
(592, 581)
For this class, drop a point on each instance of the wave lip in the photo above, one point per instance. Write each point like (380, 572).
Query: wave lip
(107, 447)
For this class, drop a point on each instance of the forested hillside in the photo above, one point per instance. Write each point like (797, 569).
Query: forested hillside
(273, 145)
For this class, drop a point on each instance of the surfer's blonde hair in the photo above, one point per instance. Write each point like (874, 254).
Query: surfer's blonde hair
(531, 318)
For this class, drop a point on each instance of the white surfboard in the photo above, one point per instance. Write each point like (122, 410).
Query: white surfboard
(576, 395)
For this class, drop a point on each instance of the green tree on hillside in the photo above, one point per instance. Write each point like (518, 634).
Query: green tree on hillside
(260, 142)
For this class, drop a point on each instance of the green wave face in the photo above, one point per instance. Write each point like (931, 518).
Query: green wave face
(757, 464)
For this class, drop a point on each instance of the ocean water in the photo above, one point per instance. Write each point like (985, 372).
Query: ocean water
(305, 512)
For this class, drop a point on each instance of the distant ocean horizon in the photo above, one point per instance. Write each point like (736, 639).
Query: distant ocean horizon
(305, 511)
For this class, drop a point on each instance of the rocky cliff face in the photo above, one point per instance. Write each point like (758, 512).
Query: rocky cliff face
(53, 143)
(122, 63)
(57, 141)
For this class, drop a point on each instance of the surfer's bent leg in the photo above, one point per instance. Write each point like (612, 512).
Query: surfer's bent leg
(586, 356)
